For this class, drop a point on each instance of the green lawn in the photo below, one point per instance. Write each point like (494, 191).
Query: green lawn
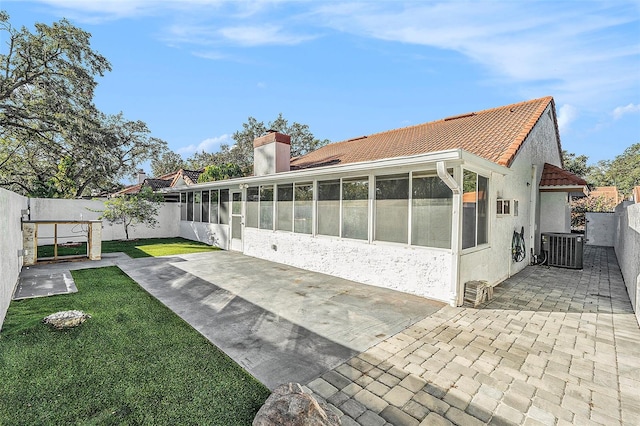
(133, 362)
(147, 247)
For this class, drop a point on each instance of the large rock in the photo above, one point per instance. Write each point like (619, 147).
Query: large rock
(66, 319)
(288, 405)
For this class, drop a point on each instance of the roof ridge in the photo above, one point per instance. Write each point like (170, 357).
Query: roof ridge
(463, 115)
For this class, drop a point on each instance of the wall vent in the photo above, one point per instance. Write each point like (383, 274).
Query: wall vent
(563, 250)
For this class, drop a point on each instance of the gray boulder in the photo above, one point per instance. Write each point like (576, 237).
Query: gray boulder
(66, 319)
(288, 405)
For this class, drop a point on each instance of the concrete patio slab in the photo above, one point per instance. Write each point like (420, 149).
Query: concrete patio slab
(44, 284)
(280, 323)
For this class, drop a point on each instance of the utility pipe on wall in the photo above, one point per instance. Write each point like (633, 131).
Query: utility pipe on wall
(455, 229)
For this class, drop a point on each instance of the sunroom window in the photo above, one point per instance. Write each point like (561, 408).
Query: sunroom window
(285, 207)
(205, 206)
(266, 207)
(392, 208)
(253, 200)
(355, 208)
(213, 206)
(329, 207)
(474, 209)
(183, 206)
(303, 208)
(431, 210)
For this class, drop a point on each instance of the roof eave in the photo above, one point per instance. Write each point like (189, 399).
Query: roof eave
(351, 168)
(564, 188)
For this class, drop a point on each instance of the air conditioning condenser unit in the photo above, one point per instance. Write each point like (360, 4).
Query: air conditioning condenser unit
(563, 250)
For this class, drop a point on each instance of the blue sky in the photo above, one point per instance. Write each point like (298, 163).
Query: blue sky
(195, 70)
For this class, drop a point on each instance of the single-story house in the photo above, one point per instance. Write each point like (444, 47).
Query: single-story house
(180, 178)
(421, 209)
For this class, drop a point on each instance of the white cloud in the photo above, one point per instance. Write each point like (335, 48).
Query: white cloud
(566, 114)
(579, 54)
(207, 145)
(261, 85)
(261, 35)
(622, 110)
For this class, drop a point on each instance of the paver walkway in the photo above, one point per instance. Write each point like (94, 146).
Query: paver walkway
(553, 347)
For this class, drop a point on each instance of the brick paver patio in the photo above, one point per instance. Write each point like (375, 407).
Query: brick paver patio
(553, 347)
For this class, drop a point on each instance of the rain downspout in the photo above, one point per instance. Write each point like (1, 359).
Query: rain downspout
(455, 229)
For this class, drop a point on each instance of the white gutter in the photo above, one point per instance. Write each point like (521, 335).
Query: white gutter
(394, 164)
(443, 174)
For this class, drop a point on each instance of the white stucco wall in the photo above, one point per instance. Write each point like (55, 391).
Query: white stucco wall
(416, 270)
(493, 262)
(11, 205)
(627, 247)
(62, 209)
(208, 233)
(601, 229)
(556, 214)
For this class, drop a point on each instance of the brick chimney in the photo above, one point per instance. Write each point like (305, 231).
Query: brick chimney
(271, 153)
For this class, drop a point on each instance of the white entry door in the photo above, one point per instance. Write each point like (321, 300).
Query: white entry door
(237, 221)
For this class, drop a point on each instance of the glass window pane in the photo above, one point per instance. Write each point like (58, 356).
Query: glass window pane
(252, 207)
(285, 207)
(303, 208)
(266, 207)
(183, 206)
(392, 208)
(469, 208)
(483, 204)
(189, 206)
(236, 218)
(224, 206)
(205, 206)
(431, 210)
(213, 206)
(329, 207)
(355, 208)
(197, 201)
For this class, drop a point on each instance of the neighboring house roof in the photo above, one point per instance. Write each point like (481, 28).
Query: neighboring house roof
(609, 192)
(169, 180)
(494, 134)
(190, 177)
(156, 184)
(636, 194)
(555, 178)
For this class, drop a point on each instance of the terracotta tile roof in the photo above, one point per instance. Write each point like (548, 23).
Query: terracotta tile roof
(555, 176)
(165, 181)
(494, 134)
(133, 189)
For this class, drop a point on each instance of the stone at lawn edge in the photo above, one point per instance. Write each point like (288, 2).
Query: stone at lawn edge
(288, 405)
(66, 319)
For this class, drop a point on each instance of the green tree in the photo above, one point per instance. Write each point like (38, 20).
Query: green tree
(576, 164)
(222, 172)
(132, 210)
(623, 171)
(580, 206)
(168, 162)
(241, 153)
(53, 140)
